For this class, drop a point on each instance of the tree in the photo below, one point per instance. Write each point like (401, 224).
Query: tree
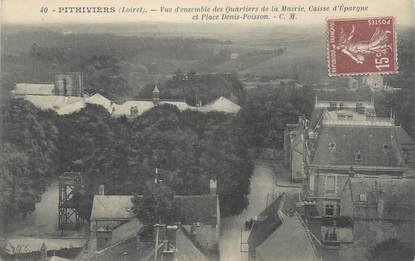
(18, 193)
(27, 157)
(156, 205)
(266, 112)
(103, 75)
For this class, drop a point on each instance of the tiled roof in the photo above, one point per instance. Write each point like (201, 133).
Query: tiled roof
(52, 102)
(341, 145)
(289, 242)
(191, 209)
(403, 137)
(98, 99)
(126, 230)
(181, 105)
(131, 250)
(268, 221)
(186, 250)
(383, 198)
(125, 108)
(221, 104)
(128, 250)
(112, 207)
(71, 108)
(197, 208)
(64, 105)
(33, 89)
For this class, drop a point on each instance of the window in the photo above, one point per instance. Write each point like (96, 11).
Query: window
(330, 185)
(311, 183)
(332, 146)
(385, 147)
(363, 198)
(332, 106)
(329, 210)
(358, 156)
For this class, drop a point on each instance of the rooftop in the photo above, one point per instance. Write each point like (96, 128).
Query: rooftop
(221, 104)
(33, 89)
(110, 207)
(192, 208)
(268, 221)
(289, 242)
(357, 146)
(277, 236)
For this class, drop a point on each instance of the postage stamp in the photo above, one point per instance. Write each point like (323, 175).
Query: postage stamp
(362, 46)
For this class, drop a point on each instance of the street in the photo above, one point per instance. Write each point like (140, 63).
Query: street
(263, 187)
(262, 183)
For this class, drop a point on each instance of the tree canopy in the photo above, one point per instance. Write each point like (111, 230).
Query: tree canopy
(267, 110)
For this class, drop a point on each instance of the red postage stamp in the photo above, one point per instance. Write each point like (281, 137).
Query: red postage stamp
(362, 46)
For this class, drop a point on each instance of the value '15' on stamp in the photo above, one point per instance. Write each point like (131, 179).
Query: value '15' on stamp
(362, 46)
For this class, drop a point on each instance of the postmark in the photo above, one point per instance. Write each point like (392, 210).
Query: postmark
(362, 46)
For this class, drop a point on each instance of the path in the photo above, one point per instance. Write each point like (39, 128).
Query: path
(262, 183)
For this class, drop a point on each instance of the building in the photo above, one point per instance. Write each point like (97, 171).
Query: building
(126, 243)
(23, 89)
(275, 235)
(341, 151)
(50, 97)
(382, 207)
(66, 84)
(375, 209)
(353, 161)
(199, 215)
(332, 104)
(135, 108)
(69, 84)
(294, 142)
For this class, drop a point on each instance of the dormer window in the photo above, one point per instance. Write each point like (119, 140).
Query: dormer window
(385, 146)
(332, 146)
(358, 156)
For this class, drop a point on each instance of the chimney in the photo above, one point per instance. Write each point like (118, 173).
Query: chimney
(43, 252)
(213, 186)
(101, 189)
(169, 255)
(159, 235)
(104, 236)
(159, 232)
(169, 245)
(171, 232)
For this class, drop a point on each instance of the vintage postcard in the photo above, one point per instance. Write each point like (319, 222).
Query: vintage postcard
(196, 130)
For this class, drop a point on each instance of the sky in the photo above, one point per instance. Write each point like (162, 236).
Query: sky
(29, 11)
